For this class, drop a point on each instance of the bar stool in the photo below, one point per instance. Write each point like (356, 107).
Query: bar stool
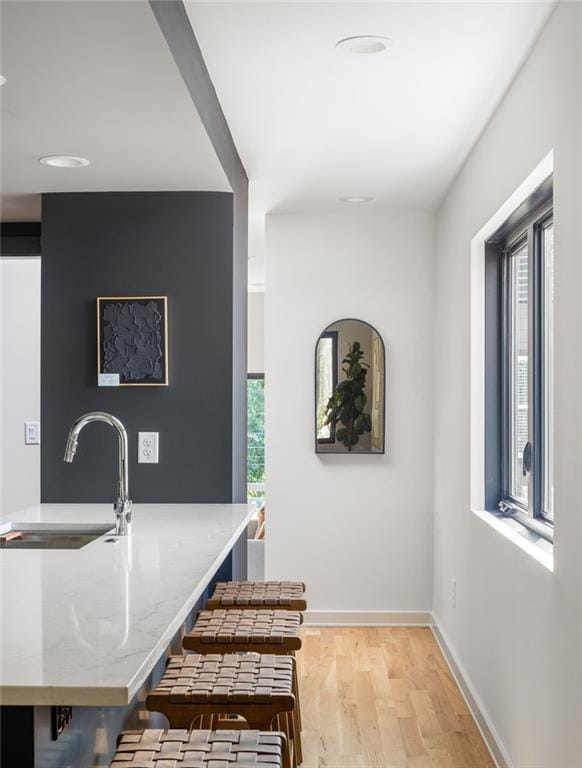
(256, 687)
(287, 595)
(246, 630)
(202, 749)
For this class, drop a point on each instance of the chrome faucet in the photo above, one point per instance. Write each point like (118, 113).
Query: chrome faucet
(122, 506)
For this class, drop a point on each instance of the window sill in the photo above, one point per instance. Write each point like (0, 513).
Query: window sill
(528, 541)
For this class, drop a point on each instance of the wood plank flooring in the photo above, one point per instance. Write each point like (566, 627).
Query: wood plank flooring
(383, 698)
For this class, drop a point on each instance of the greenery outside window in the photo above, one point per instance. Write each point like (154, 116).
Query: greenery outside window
(255, 432)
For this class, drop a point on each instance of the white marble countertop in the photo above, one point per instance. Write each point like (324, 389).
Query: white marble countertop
(87, 626)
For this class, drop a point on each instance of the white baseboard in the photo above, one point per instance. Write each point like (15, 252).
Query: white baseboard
(490, 736)
(367, 618)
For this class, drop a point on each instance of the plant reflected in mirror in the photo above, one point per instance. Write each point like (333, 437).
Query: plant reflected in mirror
(349, 406)
(349, 400)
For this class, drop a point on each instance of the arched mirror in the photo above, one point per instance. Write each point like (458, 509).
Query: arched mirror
(350, 373)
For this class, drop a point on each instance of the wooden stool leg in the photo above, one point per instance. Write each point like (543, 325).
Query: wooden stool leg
(292, 736)
(206, 723)
(296, 731)
(282, 724)
(296, 692)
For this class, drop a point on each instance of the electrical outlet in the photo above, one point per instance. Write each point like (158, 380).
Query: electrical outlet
(32, 432)
(454, 593)
(147, 447)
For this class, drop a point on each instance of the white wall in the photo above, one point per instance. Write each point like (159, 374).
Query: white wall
(256, 332)
(357, 528)
(516, 626)
(20, 375)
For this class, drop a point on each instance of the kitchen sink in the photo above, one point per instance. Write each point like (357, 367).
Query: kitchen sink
(50, 535)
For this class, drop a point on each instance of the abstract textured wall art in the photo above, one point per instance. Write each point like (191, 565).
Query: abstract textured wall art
(132, 339)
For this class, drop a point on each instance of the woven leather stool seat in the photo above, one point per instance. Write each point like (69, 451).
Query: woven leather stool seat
(287, 595)
(233, 678)
(270, 631)
(199, 749)
(206, 688)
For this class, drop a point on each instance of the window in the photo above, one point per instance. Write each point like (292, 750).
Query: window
(526, 260)
(255, 433)
(327, 365)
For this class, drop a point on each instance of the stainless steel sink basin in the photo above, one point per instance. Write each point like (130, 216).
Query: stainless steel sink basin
(50, 535)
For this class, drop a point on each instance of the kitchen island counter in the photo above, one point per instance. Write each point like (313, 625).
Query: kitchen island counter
(87, 626)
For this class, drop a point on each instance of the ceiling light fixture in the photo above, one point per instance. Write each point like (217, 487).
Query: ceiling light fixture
(356, 199)
(364, 44)
(64, 161)
(2, 79)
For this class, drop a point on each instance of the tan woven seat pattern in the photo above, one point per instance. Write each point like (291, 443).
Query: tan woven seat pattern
(254, 594)
(197, 688)
(250, 678)
(244, 629)
(179, 748)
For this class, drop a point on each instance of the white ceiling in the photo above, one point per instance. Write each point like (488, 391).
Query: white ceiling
(94, 79)
(313, 123)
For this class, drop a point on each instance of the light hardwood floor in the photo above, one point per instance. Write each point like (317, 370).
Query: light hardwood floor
(383, 698)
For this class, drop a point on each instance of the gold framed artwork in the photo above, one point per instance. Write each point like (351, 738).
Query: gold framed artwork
(132, 341)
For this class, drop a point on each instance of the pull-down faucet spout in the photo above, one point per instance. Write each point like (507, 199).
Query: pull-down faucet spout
(122, 506)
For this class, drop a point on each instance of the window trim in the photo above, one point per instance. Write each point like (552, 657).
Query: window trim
(542, 224)
(530, 230)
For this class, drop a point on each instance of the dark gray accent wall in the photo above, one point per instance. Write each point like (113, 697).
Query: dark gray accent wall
(177, 30)
(177, 244)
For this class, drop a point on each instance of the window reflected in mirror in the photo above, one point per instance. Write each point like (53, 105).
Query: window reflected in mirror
(327, 379)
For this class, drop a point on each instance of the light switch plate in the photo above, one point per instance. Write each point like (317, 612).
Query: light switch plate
(147, 447)
(32, 432)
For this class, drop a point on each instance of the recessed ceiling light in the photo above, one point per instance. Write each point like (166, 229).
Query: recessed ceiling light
(356, 199)
(2, 79)
(364, 44)
(64, 161)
